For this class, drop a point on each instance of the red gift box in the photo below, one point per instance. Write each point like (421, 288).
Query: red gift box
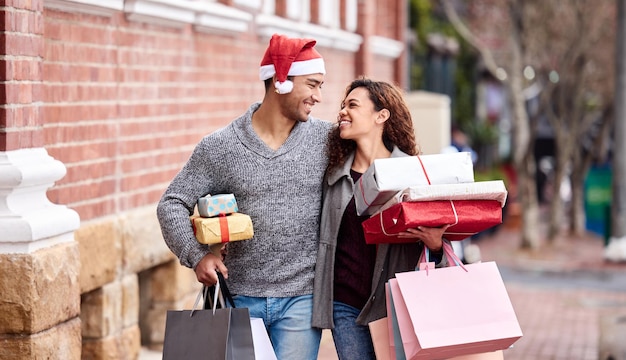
(467, 216)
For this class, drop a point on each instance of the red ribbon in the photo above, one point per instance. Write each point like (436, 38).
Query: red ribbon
(224, 228)
(363, 187)
(423, 169)
(193, 225)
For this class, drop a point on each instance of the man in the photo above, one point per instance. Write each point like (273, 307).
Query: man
(272, 159)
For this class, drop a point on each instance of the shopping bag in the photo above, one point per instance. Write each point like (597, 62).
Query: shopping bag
(399, 323)
(379, 331)
(195, 334)
(454, 311)
(263, 349)
(493, 355)
(209, 334)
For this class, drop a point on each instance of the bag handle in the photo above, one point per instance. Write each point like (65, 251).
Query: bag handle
(224, 289)
(219, 290)
(448, 252)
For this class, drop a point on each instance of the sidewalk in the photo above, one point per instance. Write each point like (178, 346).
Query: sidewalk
(564, 320)
(560, 319)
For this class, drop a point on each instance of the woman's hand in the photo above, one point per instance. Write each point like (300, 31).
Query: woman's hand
(432, 237)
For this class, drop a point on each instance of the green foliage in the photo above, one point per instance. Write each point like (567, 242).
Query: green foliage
(426, 18)
(481, 133)
(494, 173)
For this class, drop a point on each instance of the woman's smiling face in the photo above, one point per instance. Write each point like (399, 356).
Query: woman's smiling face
(357, 116)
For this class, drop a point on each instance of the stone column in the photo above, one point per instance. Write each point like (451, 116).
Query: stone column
(39, 260)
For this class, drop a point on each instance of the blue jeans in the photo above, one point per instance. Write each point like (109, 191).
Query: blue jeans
(288, 322)
(352, 341)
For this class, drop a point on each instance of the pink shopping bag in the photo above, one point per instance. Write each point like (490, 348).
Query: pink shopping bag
(453, 311)
(379, 331)
(492, 355)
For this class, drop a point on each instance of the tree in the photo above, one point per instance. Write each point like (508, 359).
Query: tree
(509, 71)
(574, 67)
(563, 44)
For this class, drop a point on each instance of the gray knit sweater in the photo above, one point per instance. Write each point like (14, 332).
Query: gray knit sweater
(281, 190)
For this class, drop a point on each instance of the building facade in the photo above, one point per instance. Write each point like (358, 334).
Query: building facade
(103, 102)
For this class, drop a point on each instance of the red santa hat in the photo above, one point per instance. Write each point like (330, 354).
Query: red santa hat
(290, 57)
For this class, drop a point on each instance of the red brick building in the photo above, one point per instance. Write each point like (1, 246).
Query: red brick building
(102, 103)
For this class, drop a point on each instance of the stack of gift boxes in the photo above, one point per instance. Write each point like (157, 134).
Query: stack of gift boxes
(427, 190)
(219, 221)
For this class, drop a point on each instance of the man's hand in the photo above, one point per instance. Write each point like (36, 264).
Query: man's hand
(207, 267)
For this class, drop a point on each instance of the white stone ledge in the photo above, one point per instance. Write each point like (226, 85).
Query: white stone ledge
(205, 16)
(29, 221)
(93, 7)
(214, 17)
(385, 46)
(267, 25)
(159, 12)
(217, 17)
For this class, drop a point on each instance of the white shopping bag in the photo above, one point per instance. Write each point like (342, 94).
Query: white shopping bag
(263, 349)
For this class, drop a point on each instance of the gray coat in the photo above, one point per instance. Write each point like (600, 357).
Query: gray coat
(390, 259)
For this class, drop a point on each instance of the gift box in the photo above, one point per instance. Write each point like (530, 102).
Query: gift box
(222, 228)
(467, 218)
(480, 190)
(214, 205)
(385, 177)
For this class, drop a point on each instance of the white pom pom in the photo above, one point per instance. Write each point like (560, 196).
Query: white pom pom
(285, 87)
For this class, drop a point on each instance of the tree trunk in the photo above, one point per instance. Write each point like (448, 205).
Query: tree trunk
(618, 210)
(555, 215)
(523, 155)
(527, 190)
(577, 207)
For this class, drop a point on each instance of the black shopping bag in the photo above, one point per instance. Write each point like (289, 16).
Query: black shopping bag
(209, 334)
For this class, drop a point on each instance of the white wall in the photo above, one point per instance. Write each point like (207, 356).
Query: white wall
(431, 119)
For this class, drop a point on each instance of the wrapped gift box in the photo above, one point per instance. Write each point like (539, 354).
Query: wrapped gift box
(214, 205)
(468, 216)
(385, 177)
(223, 228)
(480, 190)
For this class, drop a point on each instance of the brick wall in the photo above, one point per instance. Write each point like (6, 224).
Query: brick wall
(20, 70)
(125, 102)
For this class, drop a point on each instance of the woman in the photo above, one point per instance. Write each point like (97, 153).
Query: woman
(373, 123)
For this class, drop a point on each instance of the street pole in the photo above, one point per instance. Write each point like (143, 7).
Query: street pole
(616, 249)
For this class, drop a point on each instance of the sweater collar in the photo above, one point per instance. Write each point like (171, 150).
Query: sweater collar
(244, 130)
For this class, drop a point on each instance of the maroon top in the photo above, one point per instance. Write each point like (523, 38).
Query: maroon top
(354, 259)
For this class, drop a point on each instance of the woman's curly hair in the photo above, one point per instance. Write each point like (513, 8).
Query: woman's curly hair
(397, 130)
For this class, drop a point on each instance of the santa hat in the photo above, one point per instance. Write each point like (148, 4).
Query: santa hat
(290, 57)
